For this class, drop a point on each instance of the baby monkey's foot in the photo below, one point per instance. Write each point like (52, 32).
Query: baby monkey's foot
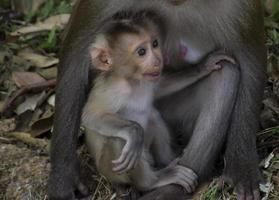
(215, 60)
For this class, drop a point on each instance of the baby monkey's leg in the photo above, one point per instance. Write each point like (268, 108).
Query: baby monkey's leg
(144, 177)
(160, 145)
(164, 156)
(158, 148)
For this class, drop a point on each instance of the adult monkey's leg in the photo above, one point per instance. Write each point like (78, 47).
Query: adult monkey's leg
(73, 81)
(208, 105)
(216, 97)
(64, 177)
(241, 159)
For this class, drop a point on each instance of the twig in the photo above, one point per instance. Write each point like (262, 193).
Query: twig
(27, 139)
(29, 88)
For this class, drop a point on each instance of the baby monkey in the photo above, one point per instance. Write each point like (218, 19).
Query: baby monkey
(124, 132)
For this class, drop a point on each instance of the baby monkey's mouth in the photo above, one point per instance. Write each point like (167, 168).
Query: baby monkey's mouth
(152, 75)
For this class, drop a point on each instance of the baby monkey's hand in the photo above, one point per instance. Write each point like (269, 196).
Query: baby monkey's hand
(214, 61)
(132, 149)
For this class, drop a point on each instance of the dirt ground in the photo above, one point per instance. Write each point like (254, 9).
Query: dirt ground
(23, 172)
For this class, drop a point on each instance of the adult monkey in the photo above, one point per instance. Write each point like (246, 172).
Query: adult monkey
(218, 113)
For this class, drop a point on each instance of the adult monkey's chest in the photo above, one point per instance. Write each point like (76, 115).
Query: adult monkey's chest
(187, 34)
(186, 41)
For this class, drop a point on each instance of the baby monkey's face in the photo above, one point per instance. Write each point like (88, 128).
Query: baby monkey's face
(131, 55)
(144, 56)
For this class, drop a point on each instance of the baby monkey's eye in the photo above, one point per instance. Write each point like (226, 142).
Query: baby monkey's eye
(141, 52)
(155, 43)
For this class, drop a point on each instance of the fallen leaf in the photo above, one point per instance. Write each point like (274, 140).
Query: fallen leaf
(55, 21)
(20, 63)
(42, 125)
(49, 73)
(30, 103)
(266, 188)
(267, 161)
(36, 59)
(35, 117)
(51, 100)
(23, 79)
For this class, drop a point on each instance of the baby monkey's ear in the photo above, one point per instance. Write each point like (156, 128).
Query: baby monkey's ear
(100, 54)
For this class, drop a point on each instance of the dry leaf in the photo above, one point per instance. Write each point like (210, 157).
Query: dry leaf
(36, 59)
(42, 125)
(23, 79)
(266, 188)
(55, 21)
(20, 63)
(267, 161)
(30, 103)
(51, 100)
(49, 73)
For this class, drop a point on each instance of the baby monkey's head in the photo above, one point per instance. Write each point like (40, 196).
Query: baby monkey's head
(129, 45)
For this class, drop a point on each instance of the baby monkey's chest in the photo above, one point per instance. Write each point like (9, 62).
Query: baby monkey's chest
(138, 108)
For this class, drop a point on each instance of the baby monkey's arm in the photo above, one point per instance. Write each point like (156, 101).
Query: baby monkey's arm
(112, 125)
(180, 80)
